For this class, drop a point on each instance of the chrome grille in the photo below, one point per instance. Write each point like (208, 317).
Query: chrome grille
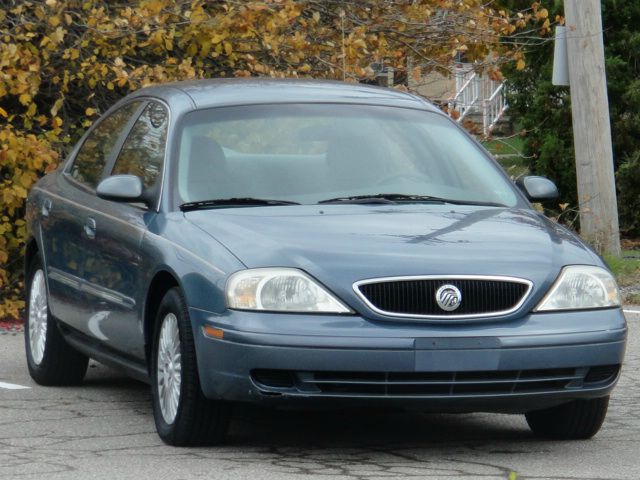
(416, 296)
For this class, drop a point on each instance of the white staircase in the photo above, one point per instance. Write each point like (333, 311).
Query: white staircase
(479, 97)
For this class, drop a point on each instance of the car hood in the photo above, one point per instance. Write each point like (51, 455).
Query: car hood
(345, 243)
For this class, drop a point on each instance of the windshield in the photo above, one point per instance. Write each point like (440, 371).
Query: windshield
(309, 153)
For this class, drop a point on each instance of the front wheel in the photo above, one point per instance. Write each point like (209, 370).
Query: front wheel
(576, 420)
(182, 414)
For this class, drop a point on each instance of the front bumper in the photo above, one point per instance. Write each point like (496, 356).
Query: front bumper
(535, 362)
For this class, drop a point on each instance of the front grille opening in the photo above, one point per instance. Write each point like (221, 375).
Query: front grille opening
(479, 296)
(602, 374)
(541, 385)
(351, 389)
(350, 376)
(560, 372)
(432, 384)
(274, 378)
(503, 375)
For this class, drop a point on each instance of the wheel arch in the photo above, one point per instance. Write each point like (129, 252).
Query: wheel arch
(31, 249)
(161, 283)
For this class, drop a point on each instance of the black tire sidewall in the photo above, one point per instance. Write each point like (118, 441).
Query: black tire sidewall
(171, 303)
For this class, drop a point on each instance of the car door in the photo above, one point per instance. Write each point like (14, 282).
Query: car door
(69, 214)
(118, 277)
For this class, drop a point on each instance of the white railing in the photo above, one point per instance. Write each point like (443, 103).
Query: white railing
(476, 94)
(467, 94)
(493, 109)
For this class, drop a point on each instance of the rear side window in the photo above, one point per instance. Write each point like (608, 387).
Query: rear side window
(91, 159)
(142, 153)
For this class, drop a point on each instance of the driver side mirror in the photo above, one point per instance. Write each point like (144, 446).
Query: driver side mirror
(121, 188)
(538, 189)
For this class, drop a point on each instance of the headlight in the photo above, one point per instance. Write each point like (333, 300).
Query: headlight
(280, 290)
(581, 287)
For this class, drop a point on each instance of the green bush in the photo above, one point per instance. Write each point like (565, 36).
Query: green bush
(628, 182)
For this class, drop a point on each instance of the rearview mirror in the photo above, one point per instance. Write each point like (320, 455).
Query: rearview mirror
(538, 189)
(121, 188)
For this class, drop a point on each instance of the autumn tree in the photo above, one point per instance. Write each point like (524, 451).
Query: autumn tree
(62, 62)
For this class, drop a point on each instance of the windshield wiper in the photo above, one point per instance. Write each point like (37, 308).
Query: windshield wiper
(400, 197)
(218, 202)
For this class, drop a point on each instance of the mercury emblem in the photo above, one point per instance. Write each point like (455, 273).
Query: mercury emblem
(448, 297)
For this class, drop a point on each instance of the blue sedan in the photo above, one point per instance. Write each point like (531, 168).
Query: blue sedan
(305, 243)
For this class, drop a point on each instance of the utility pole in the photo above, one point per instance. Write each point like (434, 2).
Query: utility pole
(591, 126)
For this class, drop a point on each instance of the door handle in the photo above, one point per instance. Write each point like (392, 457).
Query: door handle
(46, 207)
(90, 228)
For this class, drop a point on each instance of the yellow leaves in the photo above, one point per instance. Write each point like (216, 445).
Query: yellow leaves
(54, 21)
(90, 112)
(10, 307)
(520, 64)
(24, 99)
(71, 54)
(153, 6)
(57, 105)
(31, 111)
(205, 49)
(54, 38)
(217, 38)
(58, 35)
(26, 180)
(228, 48)
(542, 13)
(3, 112)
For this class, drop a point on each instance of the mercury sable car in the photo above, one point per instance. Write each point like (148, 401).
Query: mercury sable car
(302, 243)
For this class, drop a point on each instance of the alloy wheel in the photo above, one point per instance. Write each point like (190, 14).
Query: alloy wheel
(38, 316)
(169, 368)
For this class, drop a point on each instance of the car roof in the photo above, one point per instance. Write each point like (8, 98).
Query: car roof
(248, 91)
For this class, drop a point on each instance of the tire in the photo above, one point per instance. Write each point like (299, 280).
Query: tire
(182, 414)
(576, 420)
(51, 361)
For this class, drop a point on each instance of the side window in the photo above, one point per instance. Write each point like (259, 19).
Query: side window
(89, 163)
(143, 151)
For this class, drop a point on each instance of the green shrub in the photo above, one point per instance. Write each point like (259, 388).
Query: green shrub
(628, 183)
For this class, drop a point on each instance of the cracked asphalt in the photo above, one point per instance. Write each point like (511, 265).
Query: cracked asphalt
(104, 429)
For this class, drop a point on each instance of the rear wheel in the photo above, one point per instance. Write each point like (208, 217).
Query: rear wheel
(576, 420)
(182, 414)
(51, 361)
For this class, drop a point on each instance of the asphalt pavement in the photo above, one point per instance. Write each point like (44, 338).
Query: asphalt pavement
(104, 430)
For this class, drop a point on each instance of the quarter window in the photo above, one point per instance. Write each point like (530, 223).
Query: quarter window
(143, 151)
(90, 161)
